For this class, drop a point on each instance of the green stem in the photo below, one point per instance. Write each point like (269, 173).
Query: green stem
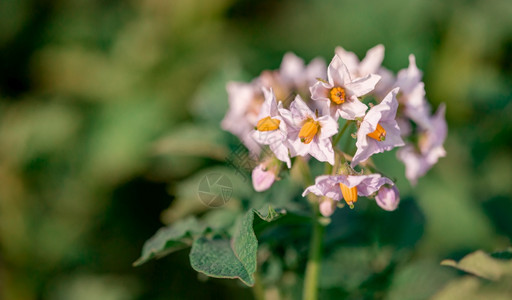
(315, 259)
(305, 171)
(340, 134)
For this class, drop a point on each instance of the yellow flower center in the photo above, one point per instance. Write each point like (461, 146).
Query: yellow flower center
(308, 131)
(349, 194)
(267, 124)
(379, 134)
(337, 95)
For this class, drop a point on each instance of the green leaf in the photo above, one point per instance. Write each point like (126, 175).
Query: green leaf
(245, 244)
(471, 287)
(222, 258)
(482, 264)
(215, 258)
(171, 238)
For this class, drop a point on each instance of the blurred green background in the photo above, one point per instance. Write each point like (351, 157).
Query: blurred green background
(106, 107)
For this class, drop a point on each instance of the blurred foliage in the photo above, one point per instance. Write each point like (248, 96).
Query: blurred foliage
(108, 109)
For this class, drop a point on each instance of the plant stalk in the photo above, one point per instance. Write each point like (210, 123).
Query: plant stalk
(315, 258)
(338, 136)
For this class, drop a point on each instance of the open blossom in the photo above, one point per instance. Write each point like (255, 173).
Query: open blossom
(292, 76)
(271, 129)
(419, 159)
(369, 65)
(294, 72)
(340, 93)
(347, 187)
(379, 130)
(412, 93)
(388, 198)
(385, 84)
(309, 133)
(245, 101)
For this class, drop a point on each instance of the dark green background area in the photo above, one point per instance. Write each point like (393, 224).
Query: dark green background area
(109, 108)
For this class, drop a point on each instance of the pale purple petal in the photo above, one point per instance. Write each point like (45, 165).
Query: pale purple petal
(349, 59)
(371, 184)
(325, 185)
(351, 109)
(300, 110)
(369, 65)
(320, 147)
(266, 137)
(366, 184)
(415, 165)
(372, 61)
(280, 150)
(363, 86)
(239, 96)
(269, 106)
(393, 136)
(353, 180)
(337, 72)
(388, 110)
(417, 107)
(320, 91)
(434, 154)
(365, 149)
(407, 79)
(388, 198)
(287, 116)
(296, 147)
(244, 107)
(329, 127)
(329, 185)
(386, 83)
(383, 114)
(418, 162)
(321, 106)
(322, 150)
(276, 139)
(436, 132)
(316, 69)
(367, 146)
(405, 126)
(292, 69)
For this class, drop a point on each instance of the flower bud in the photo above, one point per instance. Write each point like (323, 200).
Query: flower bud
(327, 207)
(388, 198)
(262, 178)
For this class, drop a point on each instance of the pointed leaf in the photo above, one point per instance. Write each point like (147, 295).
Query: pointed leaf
(231, 259)
(171, 238)
(215, 258)
(482, 264)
